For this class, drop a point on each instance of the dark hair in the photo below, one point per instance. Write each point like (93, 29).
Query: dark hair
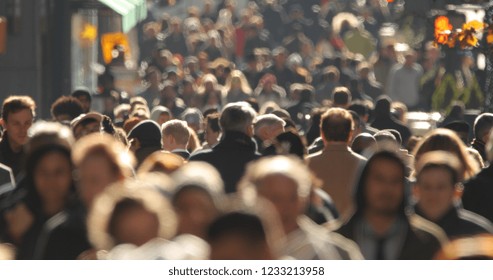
(360, 108)
(82, 92)
(66, 105)
(213, 122)
(341, 96)
(247, 225)
(361, 187)
(482, 125)
(253, 102)
(16, 103)
(336, 124)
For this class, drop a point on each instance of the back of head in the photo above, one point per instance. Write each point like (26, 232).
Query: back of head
(237, 116)
(341, 97)
(483, 125)
(382, 106)
(148, 133)
(336, 125)
(362, 142)
(269, 120)
(178, 129)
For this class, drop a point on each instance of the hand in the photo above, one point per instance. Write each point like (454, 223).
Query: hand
(19, 220)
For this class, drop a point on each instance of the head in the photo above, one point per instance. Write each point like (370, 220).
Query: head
(238, 117)
(336, 125)
(461, 128)
(446, 140)
(482, 126)
(341, 97)
(130, 212)
(437, 183)
(380, 190)
(290, 143)
(145, 134)
(175, 135)
(212, 129)
(49, 166)
(84, 97)
(100, 161)
(17, 117)
(86, 124)
(66, 108)
(160, 115)
(363, 142)
(269, 126)
(284, 181)
(194, 118)
(245, 232)
(197, 197)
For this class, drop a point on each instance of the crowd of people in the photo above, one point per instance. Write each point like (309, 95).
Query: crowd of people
(273, 135)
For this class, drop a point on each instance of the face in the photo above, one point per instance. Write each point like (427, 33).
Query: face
(283, 193)
(136, 226)
(17, 125)
(53, 177)
(435, 192)
(384, 187)
(211, 136)
(164, 117)
(276, 130)
(86, 104)
(195, 211)
(95, 174)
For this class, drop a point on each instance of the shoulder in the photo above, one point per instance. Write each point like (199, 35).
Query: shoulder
(476, 219)
(425, 229)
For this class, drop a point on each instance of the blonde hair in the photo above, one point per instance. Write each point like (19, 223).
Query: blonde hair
(245, 87)
(103, 211)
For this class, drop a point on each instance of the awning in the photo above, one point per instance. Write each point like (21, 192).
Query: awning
(131, 11)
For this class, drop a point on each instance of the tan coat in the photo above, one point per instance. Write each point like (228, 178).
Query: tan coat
(338, 167)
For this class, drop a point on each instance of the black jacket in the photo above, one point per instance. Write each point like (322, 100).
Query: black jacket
(478, 193)
(9, 157)
(230, 157)
(479, 146)
(459, 222)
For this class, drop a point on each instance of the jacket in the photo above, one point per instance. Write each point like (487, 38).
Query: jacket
(230, 157)
(478, 193)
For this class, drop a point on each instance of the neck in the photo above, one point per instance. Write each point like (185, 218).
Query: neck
(15, 147)
(380, 223)
(50, 208)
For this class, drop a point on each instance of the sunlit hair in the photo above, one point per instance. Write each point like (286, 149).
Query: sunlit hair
(237, 74)
(102, 145)
(193, 141)
(290, 167)
(207, 78)
(133, 193)
(446, 140)
(161, 161)
(16, 103)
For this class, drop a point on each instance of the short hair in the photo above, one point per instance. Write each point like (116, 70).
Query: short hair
(440, 159)
(267, 120)
(337, 124)
(82, 92)
(178, 129)
(482, 125)
(212, 121)
(161, 161)
(237, 116)
(66, 105)
(16, 103)
(288, 166)
(341, 96)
